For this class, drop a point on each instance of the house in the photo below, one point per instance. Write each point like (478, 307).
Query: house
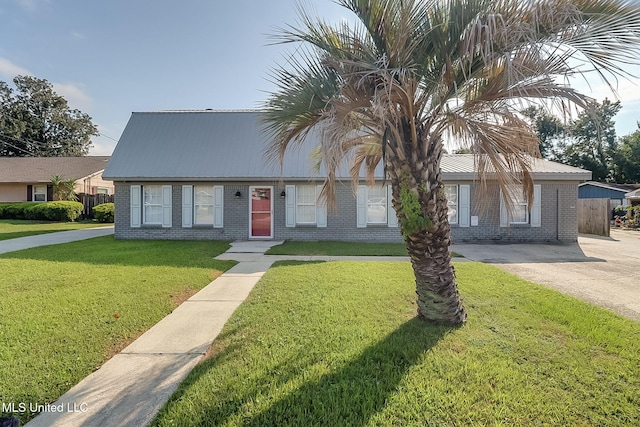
(633, 197)
(202, 175)
(27, 179)
(600, 190)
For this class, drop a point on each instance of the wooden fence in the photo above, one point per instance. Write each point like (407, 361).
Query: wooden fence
(91, 200)
(594, 216)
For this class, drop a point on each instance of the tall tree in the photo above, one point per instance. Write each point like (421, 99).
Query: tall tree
(593, 136)
(627, 159)
(548, 127)
(36, 121)
(390, 87)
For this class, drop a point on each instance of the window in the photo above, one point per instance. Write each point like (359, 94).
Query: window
(203, 204)
(377, 205)
(152, 213)
(451, 192)
(306, 204)
(39, 193)
(519, 213)
(302, 206)
(374, 207)
(102, 190)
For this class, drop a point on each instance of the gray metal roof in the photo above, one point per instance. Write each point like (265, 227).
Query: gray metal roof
(41, 169)
(230, 145)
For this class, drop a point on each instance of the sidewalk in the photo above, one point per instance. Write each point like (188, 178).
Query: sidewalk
(53, 238)
(130, 388)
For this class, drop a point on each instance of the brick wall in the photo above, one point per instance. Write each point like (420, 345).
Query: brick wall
(558, 210)
(559, 218)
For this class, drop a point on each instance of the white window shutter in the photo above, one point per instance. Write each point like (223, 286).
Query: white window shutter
(504, 217)
(361, 206)
(536, 211)
(464, 205)
(166, 206)
(218, 206)
(136, 206)
(321, 210)
(392, 218)
(290, 206)
(187, 206)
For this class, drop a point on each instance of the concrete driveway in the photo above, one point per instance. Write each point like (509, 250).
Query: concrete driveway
(602, 270)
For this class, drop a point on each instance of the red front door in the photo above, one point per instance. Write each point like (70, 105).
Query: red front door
(261, 211)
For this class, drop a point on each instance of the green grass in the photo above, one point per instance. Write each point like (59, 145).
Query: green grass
(339, 249)
(338, 344)
(58, 306)
(12, 229)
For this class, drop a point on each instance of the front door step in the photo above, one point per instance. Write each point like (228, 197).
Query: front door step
(253, 246)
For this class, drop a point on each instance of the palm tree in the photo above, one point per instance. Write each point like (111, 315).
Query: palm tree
(63, 189)
(411, 74)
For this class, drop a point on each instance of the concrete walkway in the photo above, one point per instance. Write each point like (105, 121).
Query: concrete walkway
(53, 238)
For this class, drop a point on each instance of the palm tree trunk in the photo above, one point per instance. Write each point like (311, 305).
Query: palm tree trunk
(428, 245)
(438, 297)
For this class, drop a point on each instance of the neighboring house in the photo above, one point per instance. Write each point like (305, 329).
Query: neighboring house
(203, 175)
(633, 197)
(25, 179)
(600, 190)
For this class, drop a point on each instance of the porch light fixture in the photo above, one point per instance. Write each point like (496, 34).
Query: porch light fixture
(238, 194)
(283, 194)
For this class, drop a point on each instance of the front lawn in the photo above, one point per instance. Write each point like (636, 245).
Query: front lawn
(338, 344)
(66, 309)
(14, 228)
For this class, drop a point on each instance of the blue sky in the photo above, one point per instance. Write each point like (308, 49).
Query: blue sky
(111, 57)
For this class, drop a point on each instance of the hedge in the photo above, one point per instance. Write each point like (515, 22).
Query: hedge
(103, 212)
(42, 211)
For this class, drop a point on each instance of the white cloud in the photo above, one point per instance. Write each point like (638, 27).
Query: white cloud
(9, 70)
(77, 35)
(74, 95)
(101, 147)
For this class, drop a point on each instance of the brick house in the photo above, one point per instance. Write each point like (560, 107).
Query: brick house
(202, 175)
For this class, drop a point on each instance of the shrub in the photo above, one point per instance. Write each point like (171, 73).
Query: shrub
(16, 210)
(63, 210)
(104, 212)
(49, 211)
(636, 216)
(619, 212)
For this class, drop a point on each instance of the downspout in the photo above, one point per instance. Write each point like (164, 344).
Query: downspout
(557, 214)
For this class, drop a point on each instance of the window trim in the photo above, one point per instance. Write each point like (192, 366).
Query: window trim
(314, 204)
(457, 203)
(145, 205)
(517, 197)
(534, 211)
(34, 193)
(385, 199)
(195, 205)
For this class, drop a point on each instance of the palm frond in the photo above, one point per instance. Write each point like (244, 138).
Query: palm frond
(407, 72)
